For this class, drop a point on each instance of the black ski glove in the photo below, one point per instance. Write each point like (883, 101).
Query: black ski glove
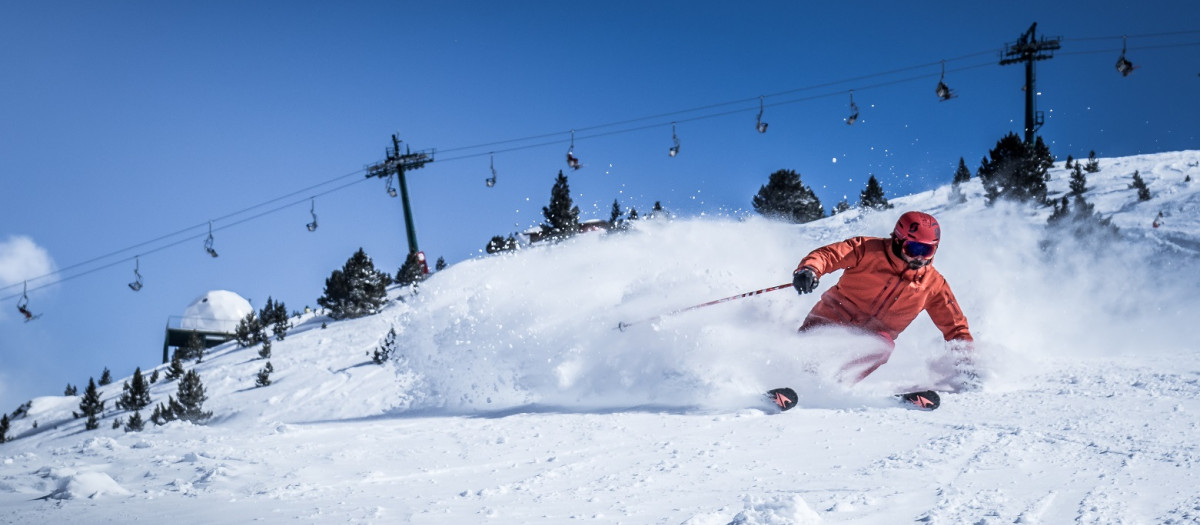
(805, 280)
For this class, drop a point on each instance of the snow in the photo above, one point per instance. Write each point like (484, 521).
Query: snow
(216, 311)
(514, 398)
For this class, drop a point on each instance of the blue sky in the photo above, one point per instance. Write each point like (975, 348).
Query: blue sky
(125, 127)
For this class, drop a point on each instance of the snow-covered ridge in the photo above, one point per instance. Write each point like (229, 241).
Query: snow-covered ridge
(514, 399)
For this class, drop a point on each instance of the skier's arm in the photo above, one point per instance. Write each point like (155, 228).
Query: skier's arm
(833, 257)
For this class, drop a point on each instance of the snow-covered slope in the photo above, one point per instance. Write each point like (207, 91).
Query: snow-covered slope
(514, 398)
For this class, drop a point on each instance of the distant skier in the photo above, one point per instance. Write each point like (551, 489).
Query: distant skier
(886, 284)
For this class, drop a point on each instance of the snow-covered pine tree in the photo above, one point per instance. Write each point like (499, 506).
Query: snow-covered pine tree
(190, 403)
(658, 212)
(116, 423)
(386, 349)
(356, 290)
(562, 216)
(105, 377)
(91, 405)
(841, 206)
(1143, 191)
(274, 315)
(135, 393)
(175, 371)
(71, 390)
(500, 244)
(412, 272)
(161, 414)
(1078, 181)
(1016, 171)
(786, 198)
(265, 351)
(1092, 165)
(962, 174)
(135, 423)
(264, 375)
(872, 196)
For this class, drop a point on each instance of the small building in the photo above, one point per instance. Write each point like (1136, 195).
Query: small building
(213, 316)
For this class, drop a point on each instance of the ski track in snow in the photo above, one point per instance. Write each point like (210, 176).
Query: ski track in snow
(509, 405)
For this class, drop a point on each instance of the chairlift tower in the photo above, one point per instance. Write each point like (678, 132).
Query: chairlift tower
(397, 164)
(1029, 49)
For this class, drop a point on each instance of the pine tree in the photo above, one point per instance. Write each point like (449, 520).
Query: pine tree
(562, 216)
(264, 375)
(161, 415)
(872, 196)
(357, 290)
(116, 423)
(135, 423)
(1016, 171)
(175, 371)
(194, 349)
(842, 205)
(135, 393)
(91, 405)
(249, 330)
(1070, 160)
(1143, 191)
(786, 198)
(386, 349)
(71, 390)
(962, 174)
(658, 211)
(265, 351)
(500, 244)
(106, 377)
(1078, 181)
(440, 265)
(274, 314)
(412, 272)
(1093, 165)
(190, 403)
(154, 376)
(4, 428)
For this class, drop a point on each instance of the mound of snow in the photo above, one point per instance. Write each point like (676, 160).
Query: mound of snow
(89, 485)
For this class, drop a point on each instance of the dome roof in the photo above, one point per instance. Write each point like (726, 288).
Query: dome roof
(216, 311)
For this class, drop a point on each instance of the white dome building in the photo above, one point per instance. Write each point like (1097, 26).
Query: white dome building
(215, 311)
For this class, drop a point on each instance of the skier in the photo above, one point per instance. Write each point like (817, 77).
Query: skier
(886, 284)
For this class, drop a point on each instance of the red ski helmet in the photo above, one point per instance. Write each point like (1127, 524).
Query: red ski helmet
(920, 234)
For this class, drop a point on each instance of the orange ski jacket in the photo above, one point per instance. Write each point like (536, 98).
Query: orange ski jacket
(879, 292)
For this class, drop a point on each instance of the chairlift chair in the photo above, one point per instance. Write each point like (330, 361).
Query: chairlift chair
(491, 181)
(943, 91)
(208, 243)
(137, 281)
(853, 110)
(1124, 66)
(572, 161)
(759, 124)
(390, 189)
(23, 304)
(675, 138)
(312, 226)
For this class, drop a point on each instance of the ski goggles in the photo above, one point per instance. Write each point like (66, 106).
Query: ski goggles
(919, 250)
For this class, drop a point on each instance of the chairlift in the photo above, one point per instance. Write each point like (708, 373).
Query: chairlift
(208, 243)
(491, 181)
(312, 226)
(571, 160)
(137, 281)
(853, 110)
(23, 304)
(1124, 66)
(944, 92)
(759, 124)
(675, 138)
(390, 189)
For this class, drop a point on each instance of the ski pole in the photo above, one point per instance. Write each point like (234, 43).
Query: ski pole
(622, 326)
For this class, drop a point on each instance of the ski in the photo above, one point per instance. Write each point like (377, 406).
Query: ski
(785, 399)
